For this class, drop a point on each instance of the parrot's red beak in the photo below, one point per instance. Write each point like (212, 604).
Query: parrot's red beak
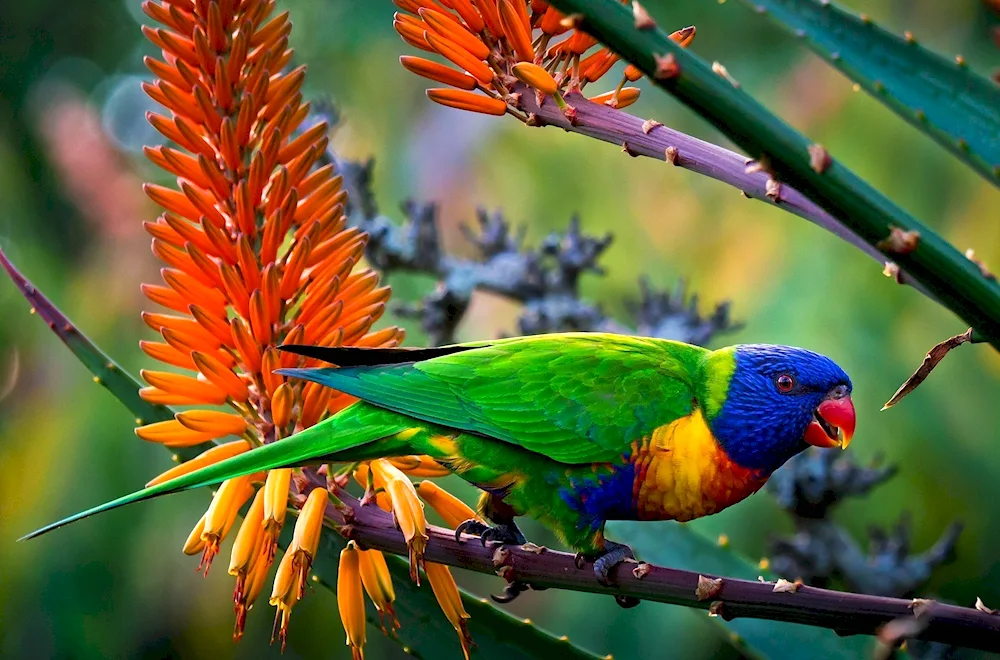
(833, 421)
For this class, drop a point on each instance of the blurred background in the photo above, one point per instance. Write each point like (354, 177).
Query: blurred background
(71, 132)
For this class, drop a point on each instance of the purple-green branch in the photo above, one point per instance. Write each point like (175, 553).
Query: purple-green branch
(846, 613)
(637, 137)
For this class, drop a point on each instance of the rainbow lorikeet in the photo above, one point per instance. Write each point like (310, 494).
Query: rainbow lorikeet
(570, 429)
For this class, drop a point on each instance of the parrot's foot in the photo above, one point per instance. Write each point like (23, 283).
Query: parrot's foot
(504, 534)
(614, 554)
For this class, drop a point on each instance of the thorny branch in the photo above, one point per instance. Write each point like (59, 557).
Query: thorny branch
(638, 137)
(846, 613)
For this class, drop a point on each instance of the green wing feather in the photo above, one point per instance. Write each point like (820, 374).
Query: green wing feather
(575, 398)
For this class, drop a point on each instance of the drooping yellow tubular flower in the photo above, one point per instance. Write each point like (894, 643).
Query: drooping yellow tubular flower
(293, 570)
(350, 601)
(378, 585)
(407, 509)
(450, 600)
(453, 510)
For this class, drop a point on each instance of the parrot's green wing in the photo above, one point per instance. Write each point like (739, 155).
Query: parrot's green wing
(576, 398)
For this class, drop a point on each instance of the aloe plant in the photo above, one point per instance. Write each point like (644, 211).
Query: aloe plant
(943, 98)
(424, 634)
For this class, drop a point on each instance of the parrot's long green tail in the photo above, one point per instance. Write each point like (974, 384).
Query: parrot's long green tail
(331, 440)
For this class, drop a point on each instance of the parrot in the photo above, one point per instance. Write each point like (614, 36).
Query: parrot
(570, 429)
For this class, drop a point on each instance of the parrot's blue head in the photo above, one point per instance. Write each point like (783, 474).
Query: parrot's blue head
(779, 401)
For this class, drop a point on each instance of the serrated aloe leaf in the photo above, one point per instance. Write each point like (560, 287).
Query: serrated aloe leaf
(943, 98)
(682, 547)
(107, 373)
(425, 631)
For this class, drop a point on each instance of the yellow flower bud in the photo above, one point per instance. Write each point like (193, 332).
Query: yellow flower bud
(350, 602)
(310, 522)
(378, 584)
(248, 539)
(535, 76)
(420, 466)
(275, 505)
(194, 544)
(409, 514)
(361, 476)
(453, 510)
(450, 599)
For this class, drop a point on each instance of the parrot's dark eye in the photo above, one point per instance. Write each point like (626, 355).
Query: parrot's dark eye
(785, 383)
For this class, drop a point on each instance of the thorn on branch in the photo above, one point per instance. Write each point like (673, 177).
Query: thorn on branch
(643, 21)
(667, 67)
(931, 360)
(899, 241)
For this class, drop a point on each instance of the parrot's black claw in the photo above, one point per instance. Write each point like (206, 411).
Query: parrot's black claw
(626, 602)
(511, 591)
(614, 554)
(472, 527)
(504, 534)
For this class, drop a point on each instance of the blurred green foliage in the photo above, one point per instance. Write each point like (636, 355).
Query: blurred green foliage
(118, 586)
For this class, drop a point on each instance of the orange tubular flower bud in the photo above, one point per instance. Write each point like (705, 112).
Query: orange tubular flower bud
(452, 30)
(218, 424)
(595, 66)
(684, 36)
(378, 585)
(438, 72)
(221, 514)
(221, 376)
(424, 466)
(625, 97)
(632, 73)
(535, 76)
(269, 363)
(462, 100)
(491, 17)
(469, 14)
(453, 510)
(450, 599)
(460, 57)
(281, 405)
(184, 386)
(551, 22)
(409, 514)
(213, 455)
(516, 30)
(412, 35)
(350, 600)
(172, 433)
(382, 498)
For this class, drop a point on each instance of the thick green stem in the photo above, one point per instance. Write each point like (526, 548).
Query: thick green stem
(945, 272)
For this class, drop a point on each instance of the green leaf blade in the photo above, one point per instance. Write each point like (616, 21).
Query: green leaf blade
(107, 373)
(944, 99)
